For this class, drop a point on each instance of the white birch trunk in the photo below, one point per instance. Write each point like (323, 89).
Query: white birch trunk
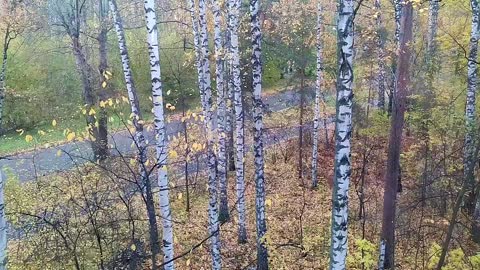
(233, 21)
(213, 223)
(3, 70)
(3, 226)
(197, 50)
(318, 98)
(432, 26)
(343, 129)
(137, 122)
(381, 256)
(381, 58)
(160, 132)
(262, 254)
(470, 144)
(221, 113)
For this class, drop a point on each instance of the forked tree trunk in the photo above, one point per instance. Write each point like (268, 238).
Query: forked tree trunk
(233, 25)
(213, 223)
(139, 135)
(318, 98)
(160, 133)
(343, 134)
(221, 113)
(88, 94)
(395, 140)
(262, 254)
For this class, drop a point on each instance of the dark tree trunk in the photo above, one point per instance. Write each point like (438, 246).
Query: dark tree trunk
(102, 93)
(395, 141)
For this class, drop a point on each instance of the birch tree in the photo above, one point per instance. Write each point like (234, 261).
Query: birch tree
(206, 90)
(381, 57)
(197, 50)
(398, 16)
(318, 97)
(395, 140)
(470, 150)
(233, 25)
(343, 133)
(432, 25)
(139, 134)
(3, 226)
(221, 113)
(262, 254)
(160, 132)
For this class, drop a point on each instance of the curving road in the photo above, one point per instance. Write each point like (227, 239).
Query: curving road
(29, 165)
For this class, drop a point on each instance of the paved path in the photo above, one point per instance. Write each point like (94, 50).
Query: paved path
(26, 166)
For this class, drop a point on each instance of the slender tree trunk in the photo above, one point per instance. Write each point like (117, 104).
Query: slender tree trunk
(3, 70)
(213, 222)
(343, 134)
(160, 133)
(233, 24)
(318, 98)
(432, 26)
(139, 135)
(102, 68)
(221, 113)
(300, 126)
(381, 57)
(395, 141)
(230, 116)
(262, 254)
(198, 52)
(3, 226)
(398, 16)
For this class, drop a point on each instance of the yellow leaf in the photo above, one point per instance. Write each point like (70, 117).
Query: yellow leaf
(41, 132)
(180, 196)
(132, 161)
(173, 154)
(59, 152)
(188, 262)
(92, 112)
(104, 84)
(110, 102)
(133, 247)
(70, 136)
(125, 99)
(268, 202)
(84, 111)
(102, 104)
(28, 138)
(54, 122)
(108, 73)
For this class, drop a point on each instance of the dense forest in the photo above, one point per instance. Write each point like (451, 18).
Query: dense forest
(259, 134)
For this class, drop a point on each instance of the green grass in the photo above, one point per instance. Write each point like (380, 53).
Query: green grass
(14, 142)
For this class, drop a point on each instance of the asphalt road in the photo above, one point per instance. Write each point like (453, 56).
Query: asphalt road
(29, 165)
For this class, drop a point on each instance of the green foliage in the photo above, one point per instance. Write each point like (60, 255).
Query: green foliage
(364, 256)
(456, 259)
